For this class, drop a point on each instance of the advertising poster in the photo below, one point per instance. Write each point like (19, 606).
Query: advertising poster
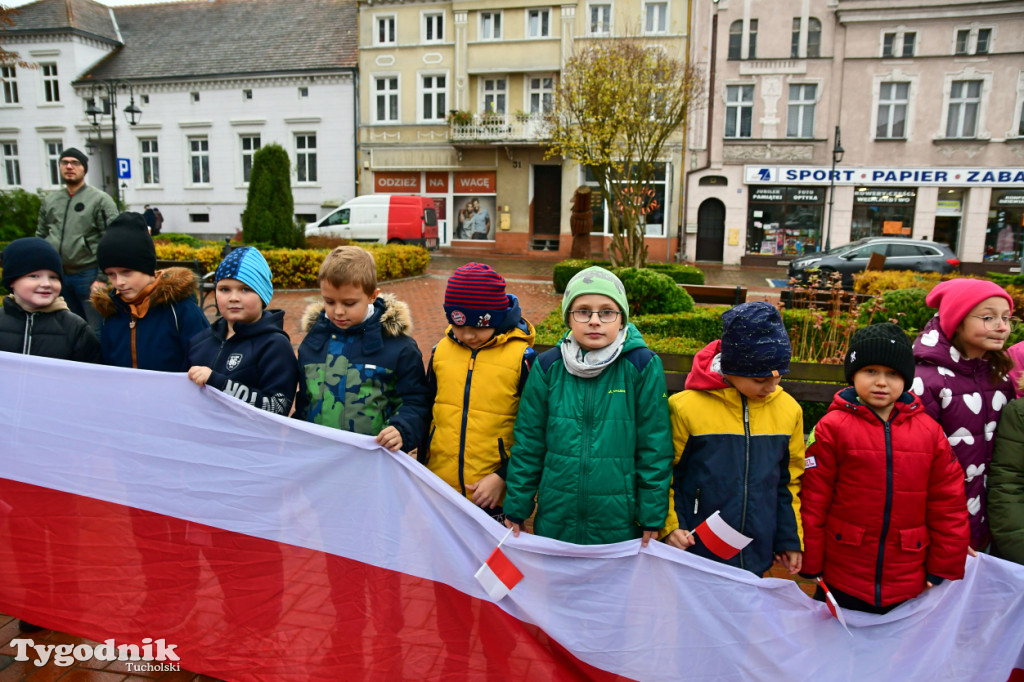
(473, 216)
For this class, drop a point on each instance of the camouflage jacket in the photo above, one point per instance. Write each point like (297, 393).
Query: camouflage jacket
(363, 378)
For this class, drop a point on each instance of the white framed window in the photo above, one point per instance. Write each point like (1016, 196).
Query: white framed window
(250, 144)
(600, 19)
(246, 94)
(899, 43)
(964, 106)
(655, 18)
(739, 110)
(9, 76)
(800, 115)
(433, 97)
(53, 150)
(490, 26)
(983, 42)
(893, 101)
(541, 91)
(385, 99)
(538, 23)
(385, 29)
(12, 165)
(736, 39)
(194, 96)
(433, 27)
(51, 84)
(305, 157)
(494, 93)
(813, 38)
(657, 214)
(199, 159)
(973, 40)
(149, 152)
(303, 92)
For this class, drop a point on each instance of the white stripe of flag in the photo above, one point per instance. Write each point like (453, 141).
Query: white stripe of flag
(721, 538)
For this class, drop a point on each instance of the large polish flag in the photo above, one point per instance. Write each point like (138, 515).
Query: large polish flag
(135, 505)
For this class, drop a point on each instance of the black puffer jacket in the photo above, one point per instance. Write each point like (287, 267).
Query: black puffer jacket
(52, 332)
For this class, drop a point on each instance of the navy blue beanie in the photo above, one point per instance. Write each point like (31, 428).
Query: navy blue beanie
(26, 255)
(754, 341)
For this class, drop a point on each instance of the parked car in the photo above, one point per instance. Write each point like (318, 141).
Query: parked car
(901, 253)
(381, 218)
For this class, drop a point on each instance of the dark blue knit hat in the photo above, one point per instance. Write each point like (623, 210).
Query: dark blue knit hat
(754, 341)
(247, 265)
(26, 255)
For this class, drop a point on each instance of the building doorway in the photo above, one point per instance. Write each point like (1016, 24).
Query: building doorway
(711, 230)
(547, 207)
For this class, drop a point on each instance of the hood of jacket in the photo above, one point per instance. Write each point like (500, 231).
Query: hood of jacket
(706, 375)
(272, 322)
(907, 406)
(172, 285)
(392, 315)
(11, 306)
(514, 326)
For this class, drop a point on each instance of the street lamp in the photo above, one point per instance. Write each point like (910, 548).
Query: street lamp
(837, 156)
(109, 88)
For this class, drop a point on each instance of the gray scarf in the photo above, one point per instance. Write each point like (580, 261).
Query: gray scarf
(595, 361)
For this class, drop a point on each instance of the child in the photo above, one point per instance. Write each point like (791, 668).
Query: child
(34, 319)
(246, 353)
(739, 443)
(149, 316)
(592, 435)
(476, 375)
(961, 379)
(359, 370)
(1006, 485)
(883, 503)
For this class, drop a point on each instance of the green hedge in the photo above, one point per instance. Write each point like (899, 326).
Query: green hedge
(681, 274)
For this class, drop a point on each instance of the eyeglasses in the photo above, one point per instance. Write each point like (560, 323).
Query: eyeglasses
(584, 315)
(992, 323)
(70, 162)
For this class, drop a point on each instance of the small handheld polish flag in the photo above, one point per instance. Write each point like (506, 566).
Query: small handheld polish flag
(498, 575)
(722, 539)
(833, 606)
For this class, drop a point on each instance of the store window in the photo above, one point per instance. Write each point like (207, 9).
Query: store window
(1005, 235)
(785, 220)
(882, 211)
(949, 210)
(656, 213)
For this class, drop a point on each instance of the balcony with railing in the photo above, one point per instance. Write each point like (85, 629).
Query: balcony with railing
(491, 127)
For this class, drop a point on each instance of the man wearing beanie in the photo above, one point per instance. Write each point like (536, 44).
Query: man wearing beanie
(883, 501)
(73, 220)
(246, 353)
(739, 444)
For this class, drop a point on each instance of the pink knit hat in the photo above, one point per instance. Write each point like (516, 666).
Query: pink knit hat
(957, 297)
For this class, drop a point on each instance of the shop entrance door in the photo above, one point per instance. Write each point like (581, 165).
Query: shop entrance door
(547, 209)
(947, 231)
(711, 230)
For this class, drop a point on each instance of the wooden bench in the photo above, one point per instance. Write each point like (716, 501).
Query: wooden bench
(204, 285)
(820, 298)
(718, 295)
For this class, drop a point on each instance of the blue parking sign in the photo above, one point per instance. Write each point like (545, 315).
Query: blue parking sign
(124, 169)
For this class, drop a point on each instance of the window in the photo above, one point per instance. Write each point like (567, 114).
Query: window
(600, 20)
(898, 44)
(305, 157)
(909, 39)
(888, 41)
(495, 93)
(195, 97)
(8, 76)
(800, 119)
(752, 51)
(736, 40)
(246, 94)
(984, 38)
(250, 145)
(199, 157)
(51, 87)
(656, 17)
(199, 217)
(150, 161)
(892, 110)
(541, 91)
(1020, 126)
(963, 41)
(53, 150)
(433, 27)
(144, 98)
(303, 93)
(490, 26)
(12, 167)
(813, 38)
(385, 30)
(964, 101)
(538, 23)
(434, 98)
(739, 110)
(656, 215)
(386, 99)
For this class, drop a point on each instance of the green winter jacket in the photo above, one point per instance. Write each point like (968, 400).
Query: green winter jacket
(1006, 485)
(75, 224)
(597, 452)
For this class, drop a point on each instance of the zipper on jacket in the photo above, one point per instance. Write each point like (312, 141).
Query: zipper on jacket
(886, 516)
(26, 343)
(746, 469)
(696, 503)
(465, 421)
(135, 359)
(64, 225)
(581, 499)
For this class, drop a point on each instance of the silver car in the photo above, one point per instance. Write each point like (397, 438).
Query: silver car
(901, 253)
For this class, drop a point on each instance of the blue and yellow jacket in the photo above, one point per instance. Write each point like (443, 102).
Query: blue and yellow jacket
(741, 457)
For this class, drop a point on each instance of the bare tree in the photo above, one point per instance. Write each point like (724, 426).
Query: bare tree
(8, 58)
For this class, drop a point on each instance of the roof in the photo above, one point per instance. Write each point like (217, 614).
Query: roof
(174, 41)
(79, 16)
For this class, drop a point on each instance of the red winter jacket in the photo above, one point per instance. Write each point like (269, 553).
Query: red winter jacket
(883, 503)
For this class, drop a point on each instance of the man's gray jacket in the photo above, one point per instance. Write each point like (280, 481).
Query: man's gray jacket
(75, 224)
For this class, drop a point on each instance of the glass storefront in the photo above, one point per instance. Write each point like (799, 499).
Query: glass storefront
(656, 206)
(1005, 233)
(879, 211)
(785, 220)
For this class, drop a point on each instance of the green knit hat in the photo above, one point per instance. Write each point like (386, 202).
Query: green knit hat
(595, 280)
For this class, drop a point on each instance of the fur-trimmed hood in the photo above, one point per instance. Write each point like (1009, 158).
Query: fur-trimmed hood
(393, 315)
(172, 285)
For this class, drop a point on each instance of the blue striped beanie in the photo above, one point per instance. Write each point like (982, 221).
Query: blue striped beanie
(475, 297)
(247, 265)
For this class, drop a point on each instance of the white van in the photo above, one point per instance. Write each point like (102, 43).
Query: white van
(381, 218)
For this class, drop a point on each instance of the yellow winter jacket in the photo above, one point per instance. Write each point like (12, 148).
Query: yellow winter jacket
(477, 398)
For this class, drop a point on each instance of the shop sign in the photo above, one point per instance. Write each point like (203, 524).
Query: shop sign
(767, 194)
(931, 177)
(1010, 199)
(947, 207)
(806, 195)
(884, 196)
(437, 183)
(477, 182)
(396, 183)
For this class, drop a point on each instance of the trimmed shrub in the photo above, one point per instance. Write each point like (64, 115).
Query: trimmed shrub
(269, 205)
(875, 282)
(564, 271)
(679, 273)
(905, 307)
(652, 293)
(180, 238)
